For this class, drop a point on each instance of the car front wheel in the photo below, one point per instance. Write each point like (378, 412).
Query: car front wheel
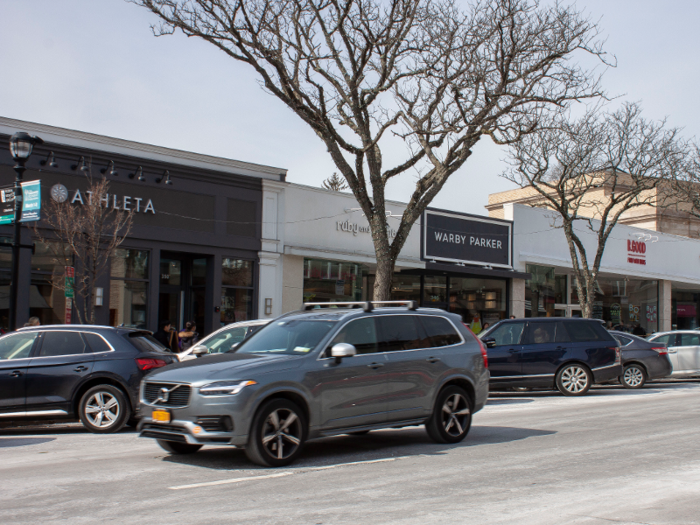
(452, 416)
(277, 434)
(104, 409)
(633, 376)
(574, 380)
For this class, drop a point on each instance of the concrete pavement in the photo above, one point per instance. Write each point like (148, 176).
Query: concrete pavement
(614, 456)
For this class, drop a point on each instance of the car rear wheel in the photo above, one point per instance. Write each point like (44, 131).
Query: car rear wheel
(104, 409)
(574, 380)
(277, 435)
(175, 447)
(633, 376)
(452, 416)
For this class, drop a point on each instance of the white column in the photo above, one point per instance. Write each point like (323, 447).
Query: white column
(270, 286)
(665, 305)
(517, 297)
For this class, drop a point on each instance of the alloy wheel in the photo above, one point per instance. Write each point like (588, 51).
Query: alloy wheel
(574, 379)
(455, 415)
(102, 409)
(633, 376)
(282, 433)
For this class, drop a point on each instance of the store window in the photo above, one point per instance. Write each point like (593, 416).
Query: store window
(543, 291)
(483, 297)
(237, 290)
(128, 293)
(405, 287)
(625, 303)
(5, 273)
(685, 309)
(46, 301)
(328, 281)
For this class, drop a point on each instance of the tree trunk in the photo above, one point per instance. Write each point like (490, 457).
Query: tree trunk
(382, 279)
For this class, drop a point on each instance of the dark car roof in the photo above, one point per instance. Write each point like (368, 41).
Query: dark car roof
(339, 314)
(83, 328)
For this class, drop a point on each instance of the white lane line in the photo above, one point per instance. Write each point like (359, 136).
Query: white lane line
(281, 474)
(233, 480)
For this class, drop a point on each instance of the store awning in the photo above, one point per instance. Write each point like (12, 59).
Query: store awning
(36, 300)
(453, 269)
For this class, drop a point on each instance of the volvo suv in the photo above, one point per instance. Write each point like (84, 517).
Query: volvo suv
(333, 368)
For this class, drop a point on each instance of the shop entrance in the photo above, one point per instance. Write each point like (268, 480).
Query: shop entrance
(182, 289)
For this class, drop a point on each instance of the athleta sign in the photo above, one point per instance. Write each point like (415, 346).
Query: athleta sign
(467, 239)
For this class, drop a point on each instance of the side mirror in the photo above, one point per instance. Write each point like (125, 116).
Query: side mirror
(342, 350)
(200, 350)
(490, 342)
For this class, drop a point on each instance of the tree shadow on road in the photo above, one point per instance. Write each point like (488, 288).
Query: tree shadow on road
(377, 445)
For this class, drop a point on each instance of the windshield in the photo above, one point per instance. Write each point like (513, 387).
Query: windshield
(293, 337)
(224, 340)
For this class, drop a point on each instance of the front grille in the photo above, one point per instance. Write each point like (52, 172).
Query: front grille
(166, 432)
(166, 394)
(215, 423)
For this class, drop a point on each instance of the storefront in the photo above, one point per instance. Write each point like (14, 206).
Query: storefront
(321, 250)
(192, 254)
(646, 277)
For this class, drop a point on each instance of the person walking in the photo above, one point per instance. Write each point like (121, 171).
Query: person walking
(167, 336)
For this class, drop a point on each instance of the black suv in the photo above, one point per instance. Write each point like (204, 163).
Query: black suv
(77, 371)
(571, 354)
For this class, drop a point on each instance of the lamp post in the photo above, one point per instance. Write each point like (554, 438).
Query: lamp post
(21, 146)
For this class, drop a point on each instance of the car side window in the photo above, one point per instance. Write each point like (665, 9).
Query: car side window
(400, 332)
(61, 343)
(540, 333)
(361, 333)
(668, 339)
(624, 341)
(581, 332)
(440, 331)
(223, 341)
(507, 334)
(17, 346)
(96, 343)
(690, 339)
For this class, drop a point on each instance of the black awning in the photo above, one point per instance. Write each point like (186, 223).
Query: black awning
(463, 271)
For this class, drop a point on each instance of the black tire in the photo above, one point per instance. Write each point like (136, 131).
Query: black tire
(452, 416)
(633, 376)
(277, 434)
(175, 447)
(574, 379)
(104, 409)
(133, 422)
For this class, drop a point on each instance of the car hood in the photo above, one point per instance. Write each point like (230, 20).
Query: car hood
(225, 367)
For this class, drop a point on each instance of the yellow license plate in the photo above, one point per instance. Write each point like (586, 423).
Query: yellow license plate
(162, 416)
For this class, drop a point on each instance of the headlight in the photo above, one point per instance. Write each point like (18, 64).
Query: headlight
(223, 388)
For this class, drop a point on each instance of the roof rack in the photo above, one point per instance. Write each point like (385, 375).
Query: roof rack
(367, 306)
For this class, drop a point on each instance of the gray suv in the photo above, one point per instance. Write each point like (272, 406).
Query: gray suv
(333, 368)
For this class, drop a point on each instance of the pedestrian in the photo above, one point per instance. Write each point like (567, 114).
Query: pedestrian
(475, 325)
(33, 321)
(188, 336)
(485, 327)
(512, 317)
(167, 336)
(638, 330)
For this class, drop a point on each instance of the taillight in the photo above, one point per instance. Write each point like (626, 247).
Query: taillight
(618, 355)
(484, 355)
(662, 350)
(146, 363)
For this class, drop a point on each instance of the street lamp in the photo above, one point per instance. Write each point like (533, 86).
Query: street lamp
(21, 146)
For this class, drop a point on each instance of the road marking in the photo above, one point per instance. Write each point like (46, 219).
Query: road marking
(234, 480)
(281, 474)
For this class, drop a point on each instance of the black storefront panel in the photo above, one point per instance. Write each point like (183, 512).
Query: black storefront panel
(466, 239)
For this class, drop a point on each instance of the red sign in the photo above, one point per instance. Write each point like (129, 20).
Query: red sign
(686, 310)
(69, 310)
(636, 251)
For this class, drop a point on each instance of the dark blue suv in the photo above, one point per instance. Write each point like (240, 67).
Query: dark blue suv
(569, 354)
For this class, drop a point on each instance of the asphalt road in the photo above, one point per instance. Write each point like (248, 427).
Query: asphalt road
(614, 456)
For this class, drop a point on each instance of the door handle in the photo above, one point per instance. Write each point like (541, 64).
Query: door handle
(15, 373)
(433, 359)
(374, 366)
(80, 368)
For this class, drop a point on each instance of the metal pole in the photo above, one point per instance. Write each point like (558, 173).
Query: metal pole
(16, 241)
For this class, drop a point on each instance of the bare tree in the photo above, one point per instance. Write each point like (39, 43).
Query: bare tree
(85, 236)
(363, 73)
(335, 183)
(685, 191)
(593, 170)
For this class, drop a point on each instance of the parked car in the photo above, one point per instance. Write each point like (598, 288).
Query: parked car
(322, 372)
(223, 340)
(683, 351)
(85, 372)
(641, 360)
(569, 354)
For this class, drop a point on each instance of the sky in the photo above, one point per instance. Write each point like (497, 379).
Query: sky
(95, 66)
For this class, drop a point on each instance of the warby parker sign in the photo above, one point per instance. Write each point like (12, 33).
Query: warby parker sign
(450, 237)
